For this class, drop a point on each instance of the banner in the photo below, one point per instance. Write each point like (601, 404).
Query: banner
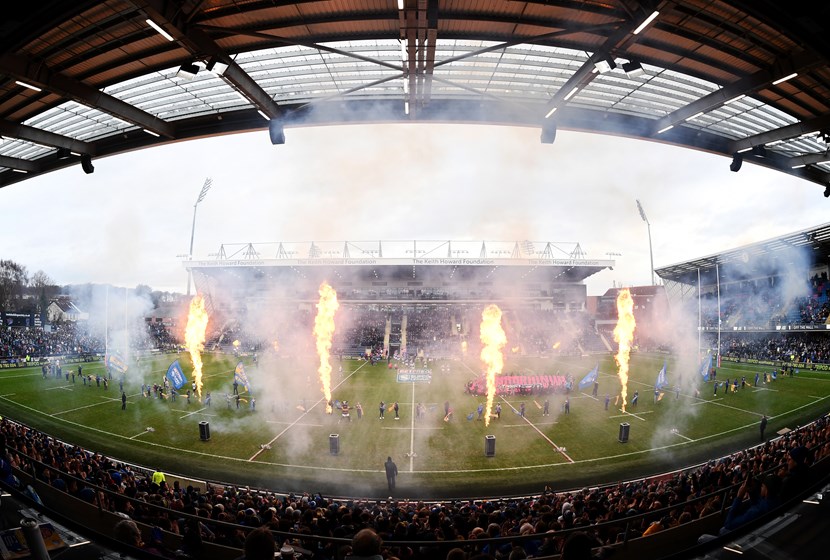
(705, 366)
(240, 377)
(415, 376)
(117, 362)
(176, 375)
(589, 379)
(661, 378)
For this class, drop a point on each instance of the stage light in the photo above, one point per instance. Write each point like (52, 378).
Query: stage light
(737, 161)
(759, 151)
(633, 69)
(548, 133)
(216, 66)
(605, 65)
(86, 164)
(827, 191)
(63, 153)
(276, 132)
(187, 71)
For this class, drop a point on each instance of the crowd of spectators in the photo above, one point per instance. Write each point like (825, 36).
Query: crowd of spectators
(785, 347)
(224, 514)
(75, 340)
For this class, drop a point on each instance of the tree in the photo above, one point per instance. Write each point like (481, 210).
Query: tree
(44, 289)
(13, 278)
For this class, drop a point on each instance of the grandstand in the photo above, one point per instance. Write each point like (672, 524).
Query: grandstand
(393, 284)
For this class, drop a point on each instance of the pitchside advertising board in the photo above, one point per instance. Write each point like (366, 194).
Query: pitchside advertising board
(414, 376)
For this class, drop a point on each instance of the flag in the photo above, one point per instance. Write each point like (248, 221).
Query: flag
(470, 416)
(705, 366)
(661, 378)
(240, 377)
(589, 379)
(660, 396)
(176, 375)
(117, 362)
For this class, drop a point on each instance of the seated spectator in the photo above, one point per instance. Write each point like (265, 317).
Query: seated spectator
(366, 545)
(763, 497)
(259, 545)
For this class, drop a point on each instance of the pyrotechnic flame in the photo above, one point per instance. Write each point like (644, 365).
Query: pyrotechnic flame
(494, 340)
(556, 345)
(194, 337)
(515, 349)
(464, 347)
(624, 335)
(324, 333)
(276, 346)
(236, 344)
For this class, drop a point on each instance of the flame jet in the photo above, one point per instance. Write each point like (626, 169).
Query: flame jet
(494, 340)
(324, 334)
(624, 335)
(194, 337)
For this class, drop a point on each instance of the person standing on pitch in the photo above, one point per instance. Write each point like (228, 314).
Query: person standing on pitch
(123, 400)
(381, 410)
(395, 408)
(763, 426)
(391, 473)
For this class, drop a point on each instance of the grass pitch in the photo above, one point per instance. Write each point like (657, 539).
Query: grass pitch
(283, 443)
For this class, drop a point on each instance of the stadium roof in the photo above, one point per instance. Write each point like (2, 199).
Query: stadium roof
(757, 258)
(81, 79)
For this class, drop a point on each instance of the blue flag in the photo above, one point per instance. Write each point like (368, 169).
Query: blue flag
(176, 375)
(117, 362)
(705, 366)
(589, 379)
(240, 377)
(661, 378)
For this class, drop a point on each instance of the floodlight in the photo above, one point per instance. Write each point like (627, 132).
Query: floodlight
(633, 69)
(63, 153)
(759, 151)
(86, 164)
(216, 66)
(827, 191)
(605, 65)
(276, 131)
(187, 71)
(737, 161)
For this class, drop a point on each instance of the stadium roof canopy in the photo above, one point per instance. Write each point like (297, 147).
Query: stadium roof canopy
(440, 262)
(81, 79)
(772, 257)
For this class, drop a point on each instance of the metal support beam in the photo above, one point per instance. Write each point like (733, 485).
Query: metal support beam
(38, 74)
(17, 163)
(745, 86)
(783, 133)
(39, 136)
(202, 47)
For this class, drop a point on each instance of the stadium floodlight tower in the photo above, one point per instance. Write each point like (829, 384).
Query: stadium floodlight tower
(650, 252)
(200, 198)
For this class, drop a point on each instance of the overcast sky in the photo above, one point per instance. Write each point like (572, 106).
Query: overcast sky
(126, 223)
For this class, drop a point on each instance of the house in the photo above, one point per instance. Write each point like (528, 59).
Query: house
(62, 310)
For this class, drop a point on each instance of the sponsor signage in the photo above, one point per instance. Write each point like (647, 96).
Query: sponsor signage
(414, 376)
